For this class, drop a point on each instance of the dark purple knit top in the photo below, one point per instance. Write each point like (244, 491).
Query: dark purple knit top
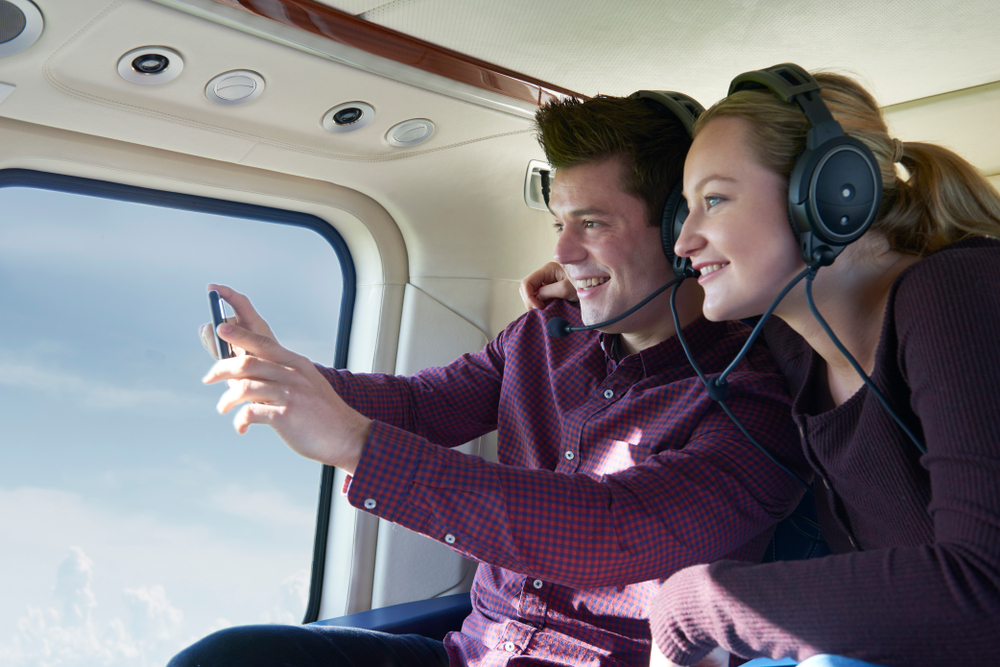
(915, 579)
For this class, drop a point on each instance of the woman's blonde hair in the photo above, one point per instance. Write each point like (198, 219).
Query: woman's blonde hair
(944, 200)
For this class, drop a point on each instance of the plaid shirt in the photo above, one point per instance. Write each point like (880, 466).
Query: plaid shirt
(612, 475)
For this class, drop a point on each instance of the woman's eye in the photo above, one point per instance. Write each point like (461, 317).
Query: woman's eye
(711, 201)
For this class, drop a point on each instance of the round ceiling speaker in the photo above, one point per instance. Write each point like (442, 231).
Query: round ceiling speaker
(150, 65)
(20, 25)
(410, 132)
(348, 117)
(240, 86)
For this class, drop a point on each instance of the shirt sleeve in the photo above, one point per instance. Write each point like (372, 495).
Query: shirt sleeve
(918, 605)
(678, 507)
(448, 405)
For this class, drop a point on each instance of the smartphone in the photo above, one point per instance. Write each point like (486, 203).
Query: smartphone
(218, 307)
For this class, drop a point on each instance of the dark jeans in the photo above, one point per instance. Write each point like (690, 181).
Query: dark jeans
(310, 646)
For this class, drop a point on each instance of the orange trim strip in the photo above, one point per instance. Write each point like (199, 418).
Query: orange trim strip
(349, 30)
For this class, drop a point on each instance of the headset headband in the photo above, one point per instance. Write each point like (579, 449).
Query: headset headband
(685, 108)
(835, 187)
(792, 84)
(675, 209)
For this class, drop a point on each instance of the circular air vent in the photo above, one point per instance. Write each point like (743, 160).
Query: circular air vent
(410, 132)
(150, 65)
(237, 87)
(20, 25)
(348, 117)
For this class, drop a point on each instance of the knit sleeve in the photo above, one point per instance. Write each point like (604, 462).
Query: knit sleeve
(918, 605)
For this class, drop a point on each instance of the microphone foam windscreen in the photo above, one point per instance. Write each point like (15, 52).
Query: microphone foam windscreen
(557, 327)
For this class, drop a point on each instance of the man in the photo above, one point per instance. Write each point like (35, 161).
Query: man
(614, 466)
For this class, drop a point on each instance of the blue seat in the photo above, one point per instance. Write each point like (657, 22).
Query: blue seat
(433, 618)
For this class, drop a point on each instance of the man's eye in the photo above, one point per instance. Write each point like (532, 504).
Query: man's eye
(589, 224)
(558, 226)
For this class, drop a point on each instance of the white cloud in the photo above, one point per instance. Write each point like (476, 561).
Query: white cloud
(153, 617)
(88, 392)
(67, 635)
(134, 589)
(293, 598)
(73, 588)
(268, 507)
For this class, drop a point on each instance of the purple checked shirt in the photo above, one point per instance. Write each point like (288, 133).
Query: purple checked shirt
(612, 475)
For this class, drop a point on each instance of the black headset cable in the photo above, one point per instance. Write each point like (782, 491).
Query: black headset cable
(717, 392)
(856, 365)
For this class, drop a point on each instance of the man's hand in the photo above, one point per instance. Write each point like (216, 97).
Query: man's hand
(245, 316)
(719, 657)
(547, 283)
(285, 391)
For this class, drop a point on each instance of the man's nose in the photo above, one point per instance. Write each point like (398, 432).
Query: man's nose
(569, 247)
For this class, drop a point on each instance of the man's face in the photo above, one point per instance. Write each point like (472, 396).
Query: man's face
(607, 246)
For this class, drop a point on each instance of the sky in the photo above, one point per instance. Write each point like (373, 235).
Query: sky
(133, 519)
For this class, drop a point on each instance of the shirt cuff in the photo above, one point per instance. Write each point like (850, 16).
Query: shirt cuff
(383, 480)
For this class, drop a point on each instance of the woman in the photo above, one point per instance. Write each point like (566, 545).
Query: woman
(915, 575)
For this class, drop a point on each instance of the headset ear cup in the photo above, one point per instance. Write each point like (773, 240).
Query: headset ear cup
(845, 193)
(675, 212)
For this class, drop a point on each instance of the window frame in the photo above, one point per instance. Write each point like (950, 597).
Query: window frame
(29, 178)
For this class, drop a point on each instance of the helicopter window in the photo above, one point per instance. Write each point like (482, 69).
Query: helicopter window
(133, 518)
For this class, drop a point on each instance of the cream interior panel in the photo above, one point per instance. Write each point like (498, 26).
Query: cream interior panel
(964, 121)
(461, 212)
(409, 566)
(490, 305)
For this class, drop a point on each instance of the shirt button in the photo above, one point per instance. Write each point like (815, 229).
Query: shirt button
(608, 393)
(537, 583)
(570, 455)
(370, 504)
(509, 647)
(449, 538)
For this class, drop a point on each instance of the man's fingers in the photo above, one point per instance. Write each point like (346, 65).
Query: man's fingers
(246, 314)
(255, 413)
(563, 289)
(248, 367)
(251, 391)
(256, 344)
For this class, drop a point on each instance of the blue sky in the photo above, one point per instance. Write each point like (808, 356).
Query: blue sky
(131, 514)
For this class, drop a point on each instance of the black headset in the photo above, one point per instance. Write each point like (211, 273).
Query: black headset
(835, 187)
(686, 109)
(675, 209)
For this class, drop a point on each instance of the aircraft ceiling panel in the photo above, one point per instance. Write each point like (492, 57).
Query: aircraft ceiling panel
(74, 84)
(904, 49)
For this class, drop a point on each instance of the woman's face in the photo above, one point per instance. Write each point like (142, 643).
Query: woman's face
(737, 234)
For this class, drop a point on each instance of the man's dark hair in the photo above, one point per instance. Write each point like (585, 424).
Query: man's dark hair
(651, 143)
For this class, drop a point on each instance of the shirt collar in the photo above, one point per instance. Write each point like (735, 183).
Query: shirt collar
(700, 336)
